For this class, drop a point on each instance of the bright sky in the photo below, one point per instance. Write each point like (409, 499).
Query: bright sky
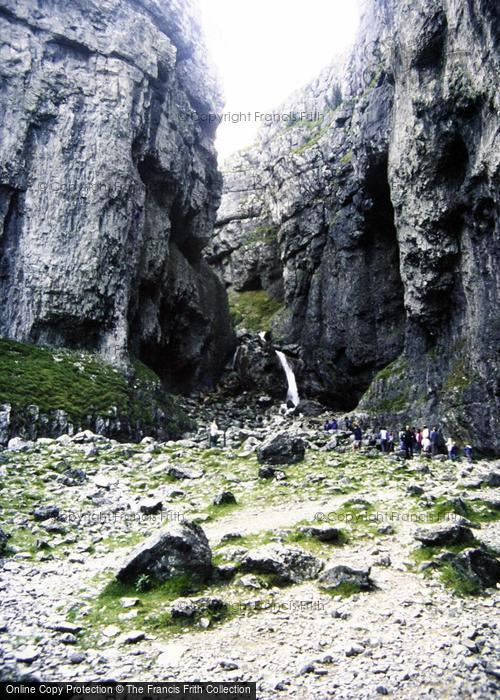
(265, 49)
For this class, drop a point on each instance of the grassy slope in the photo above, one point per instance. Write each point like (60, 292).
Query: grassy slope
(79, 383)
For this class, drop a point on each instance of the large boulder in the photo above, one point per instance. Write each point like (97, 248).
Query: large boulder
(479, 566)
(179, 549)
(342, 574)
(281, 449)
(286, 564)
(441, 535)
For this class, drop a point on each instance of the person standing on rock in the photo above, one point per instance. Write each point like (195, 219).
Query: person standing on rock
(214, 433)
(468, 453)
(358, 436)
(407, 439)
(451, 448)
(434, 438)
(418, 440)
(383, 440)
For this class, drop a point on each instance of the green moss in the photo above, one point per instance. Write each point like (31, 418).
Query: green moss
(459, 377)
(82, 385)
(394, 369)
(253, 310)
(393, 404)
(347, 158)
(262, 234)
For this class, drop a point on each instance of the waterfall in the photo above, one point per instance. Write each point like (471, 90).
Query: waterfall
(293, 393)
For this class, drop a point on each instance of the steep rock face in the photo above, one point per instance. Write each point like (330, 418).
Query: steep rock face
(109, 184)
(381, 219)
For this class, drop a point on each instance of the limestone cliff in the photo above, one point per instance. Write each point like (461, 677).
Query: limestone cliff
(109, 184)
(375, 221)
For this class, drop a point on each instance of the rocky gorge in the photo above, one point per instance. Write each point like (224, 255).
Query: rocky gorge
(175, 503)
(369, 218)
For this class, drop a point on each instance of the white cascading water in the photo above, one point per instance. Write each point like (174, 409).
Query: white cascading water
(293, 392)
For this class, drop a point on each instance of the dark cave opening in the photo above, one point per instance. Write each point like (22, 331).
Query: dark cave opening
(453, 161)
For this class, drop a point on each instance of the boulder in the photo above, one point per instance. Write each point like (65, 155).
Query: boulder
(323, 533)
(309, 408)
(181, 471)
(224, 498)
(479, 566)
(286, 564)
(150, 506)
(492, 479)
(179, 549)
(17, 444)
(281, 449)
(439, 535)
(46, 513)
(340, 574)
(72, 477)
(267, 472)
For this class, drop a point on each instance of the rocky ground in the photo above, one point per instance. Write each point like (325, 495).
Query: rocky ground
(404, 621)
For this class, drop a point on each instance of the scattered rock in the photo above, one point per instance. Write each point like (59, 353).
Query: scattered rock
(180, 471)
(270, 473)
(479, 566)
(28, 654)
(354, 649)
(4, 538)
(188, 608)
(438, 535)
(224, 498)
(340, 574)
(150, 506)
(46, 513)
(103, 482)
(17, 444)
(134, 636)
(323, 533)
(492, 479)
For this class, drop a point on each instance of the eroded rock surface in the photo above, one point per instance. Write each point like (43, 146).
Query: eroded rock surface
(109, 184)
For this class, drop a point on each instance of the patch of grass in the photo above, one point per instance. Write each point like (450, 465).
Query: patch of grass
(106, 607)
(424, 553)
(476, 510)
(458, 581)
(212, 512)
(345, 590)
(394, 369)
(253, 310)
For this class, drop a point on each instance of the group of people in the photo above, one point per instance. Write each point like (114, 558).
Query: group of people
(410, 440)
